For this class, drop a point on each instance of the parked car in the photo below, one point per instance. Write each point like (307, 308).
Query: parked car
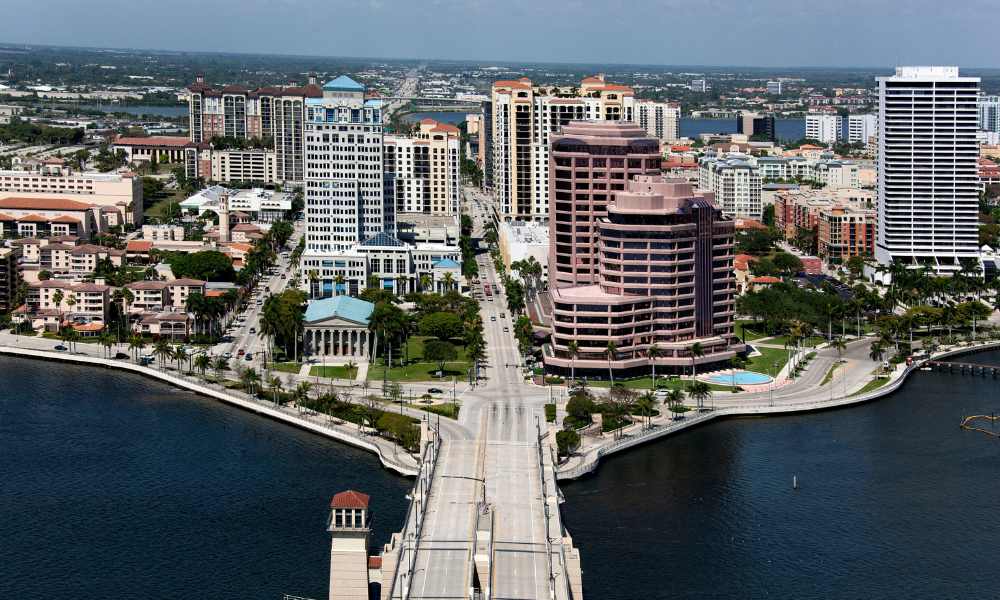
(227, 355)
(493, 317)
(61, 348)
(248, 357)
(241, 352)
(506, 330)
(253, 330)
(435, 391)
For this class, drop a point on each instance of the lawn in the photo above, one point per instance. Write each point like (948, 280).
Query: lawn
(448, 409)
(874, 384)
(337, 372)
(157, 208)
(829, 374)
(646, 383)
(746, 327)
(418, 370)
(287, 367)
(764, 362)
(781, 340)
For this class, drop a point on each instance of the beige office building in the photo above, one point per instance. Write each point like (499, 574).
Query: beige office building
(121, 192)
(523, 116)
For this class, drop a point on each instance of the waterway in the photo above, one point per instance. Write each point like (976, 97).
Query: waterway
(139, 110)
(442, 116)
(116, 486)
(894, 501)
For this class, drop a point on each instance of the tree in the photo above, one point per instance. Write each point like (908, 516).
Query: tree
(787, 263)
(274, 383)
(180, 355)
(699, 392)
(737, 362)
(220, 365)
(202, 362)
(207, 265)
(612, 351)
(697, 351)
(573, 349)
(567, 441)
(250, 378)
(107, 341)
(441, 325)
(163, 352)
(136, 343)
(675, 397)
(767, 217)
(653, 353)
(440, 352)
(644, 405)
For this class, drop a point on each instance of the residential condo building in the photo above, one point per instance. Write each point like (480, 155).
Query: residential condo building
(660, 119)
(425, 169)
(735, 183)
(927, 168)
(825, 128)
(989, 113)
(861, 128)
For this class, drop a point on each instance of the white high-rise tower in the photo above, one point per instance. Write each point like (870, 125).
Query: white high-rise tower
(927, 168)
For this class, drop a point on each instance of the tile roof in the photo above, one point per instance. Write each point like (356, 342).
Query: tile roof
(350, 499)
(138, 246)
(153, 140)
(43, 204)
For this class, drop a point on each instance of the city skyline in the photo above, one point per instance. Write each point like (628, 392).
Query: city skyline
(521, 31)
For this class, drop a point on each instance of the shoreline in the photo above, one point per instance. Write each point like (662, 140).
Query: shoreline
(389, 460)
(589, 463)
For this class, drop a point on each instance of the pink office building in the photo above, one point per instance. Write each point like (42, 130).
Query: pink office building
(589, 162)
(665, 278)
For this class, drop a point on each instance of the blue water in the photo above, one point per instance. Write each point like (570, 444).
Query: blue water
(894, 501)
(740, 378)
(140, 110)
(115, 486)
(785, 129)
(454, 118)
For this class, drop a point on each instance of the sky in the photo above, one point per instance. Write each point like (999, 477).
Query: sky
(767, 33)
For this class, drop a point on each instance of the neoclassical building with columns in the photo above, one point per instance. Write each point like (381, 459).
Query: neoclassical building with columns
(338, 326)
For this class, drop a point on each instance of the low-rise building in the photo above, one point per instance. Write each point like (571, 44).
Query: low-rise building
(164, 231)
(520, 240)
(121, 192)
(843, 221)
(39, 217)
(164, 148)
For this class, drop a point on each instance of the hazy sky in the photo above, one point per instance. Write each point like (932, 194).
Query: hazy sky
(689, 32)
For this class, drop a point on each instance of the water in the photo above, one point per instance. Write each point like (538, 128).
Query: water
(443, 116)
(740, 378)
(785, 129)
(115, 486)
(894, 501)
(139, 110)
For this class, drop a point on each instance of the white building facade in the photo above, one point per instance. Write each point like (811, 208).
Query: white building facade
(660, 119)
(736, 183)
(861, 128)
(828, 129)
(927, 168)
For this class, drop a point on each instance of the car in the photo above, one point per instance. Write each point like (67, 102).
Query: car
(227, 355)
(120, 355)
(241, 352)
(248, 357)
(506, 329)
(253, 330)
(493, 317)
(503, 315)
(61, 348)
(435, 391)
(148, 358)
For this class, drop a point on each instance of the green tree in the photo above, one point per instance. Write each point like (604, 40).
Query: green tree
(699, 392)
(442, 325)
(440, 352)
(567, 441)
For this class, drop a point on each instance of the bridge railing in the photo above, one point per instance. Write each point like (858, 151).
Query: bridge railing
(414, 522)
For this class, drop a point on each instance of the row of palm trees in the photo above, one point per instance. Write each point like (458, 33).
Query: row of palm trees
(696, 351)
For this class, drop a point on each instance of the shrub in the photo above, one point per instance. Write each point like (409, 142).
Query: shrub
(567, 441)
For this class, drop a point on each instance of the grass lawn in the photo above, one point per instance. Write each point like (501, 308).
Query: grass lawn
(157, 208)
(746, 327)
(874, 384)
(287, 367)
(763, 363)
(646, 383)
(781, 340)
(337, 372)
(418, 370)
(448, 409)
(829, 374)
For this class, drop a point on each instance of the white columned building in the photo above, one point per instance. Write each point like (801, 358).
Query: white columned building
(928, 154)
(338, 327)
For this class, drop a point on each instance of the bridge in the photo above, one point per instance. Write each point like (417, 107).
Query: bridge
(484, 521)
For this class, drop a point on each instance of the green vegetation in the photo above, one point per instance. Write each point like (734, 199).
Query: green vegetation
(288, 367)
(765, 362)
(567, 441)
(207, 265)
(874, 384)
(550, 413)
(829, 374)
(18, 130)
(448, 409)
(334, 372)
(420, 367)
(662, 382)
(745, 330)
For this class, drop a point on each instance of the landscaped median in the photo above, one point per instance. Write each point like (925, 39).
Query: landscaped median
(417, 367)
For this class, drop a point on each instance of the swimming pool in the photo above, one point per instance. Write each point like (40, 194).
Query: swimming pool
(741, 378)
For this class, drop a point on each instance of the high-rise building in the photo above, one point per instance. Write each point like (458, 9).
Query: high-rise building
(270, 114)
(989, 113)
(825, 128)
(774, 87)
(861, 128)
(755, 125)
(9, 278)
(347, 197)
(425, 169)
(591, 161)
(698, 85)
(660, 119)
(523, 116)
(487, 142)
(927, 168)
(735, 183)
(665, 281)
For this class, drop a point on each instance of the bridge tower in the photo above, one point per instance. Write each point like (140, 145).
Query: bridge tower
(349, 527)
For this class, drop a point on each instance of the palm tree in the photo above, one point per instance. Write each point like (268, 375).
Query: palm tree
(840, 346)
(573, 349)
(876, 352)
(274, 383)
(136, 343)
(163, 352)
(202, 362)
(107, 341)
(697, 351)
(302, 394)
(699, 391)
(674, 398)
(220, 365)
(611, 350)
(339, 281)
(653, 353)
(644, 404)
(57, 299)
(425, 282)
(449, 281)
(250, 379)
(180, 355)
(351, 369)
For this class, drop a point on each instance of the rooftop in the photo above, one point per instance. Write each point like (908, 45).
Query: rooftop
(344, 307)
(350, 499)
(343, 84)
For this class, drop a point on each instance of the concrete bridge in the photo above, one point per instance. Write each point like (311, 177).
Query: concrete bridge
(484, 519)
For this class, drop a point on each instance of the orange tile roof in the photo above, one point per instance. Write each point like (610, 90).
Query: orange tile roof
(138, 246)
(153, 140)
(350, 499)
(42, 204)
